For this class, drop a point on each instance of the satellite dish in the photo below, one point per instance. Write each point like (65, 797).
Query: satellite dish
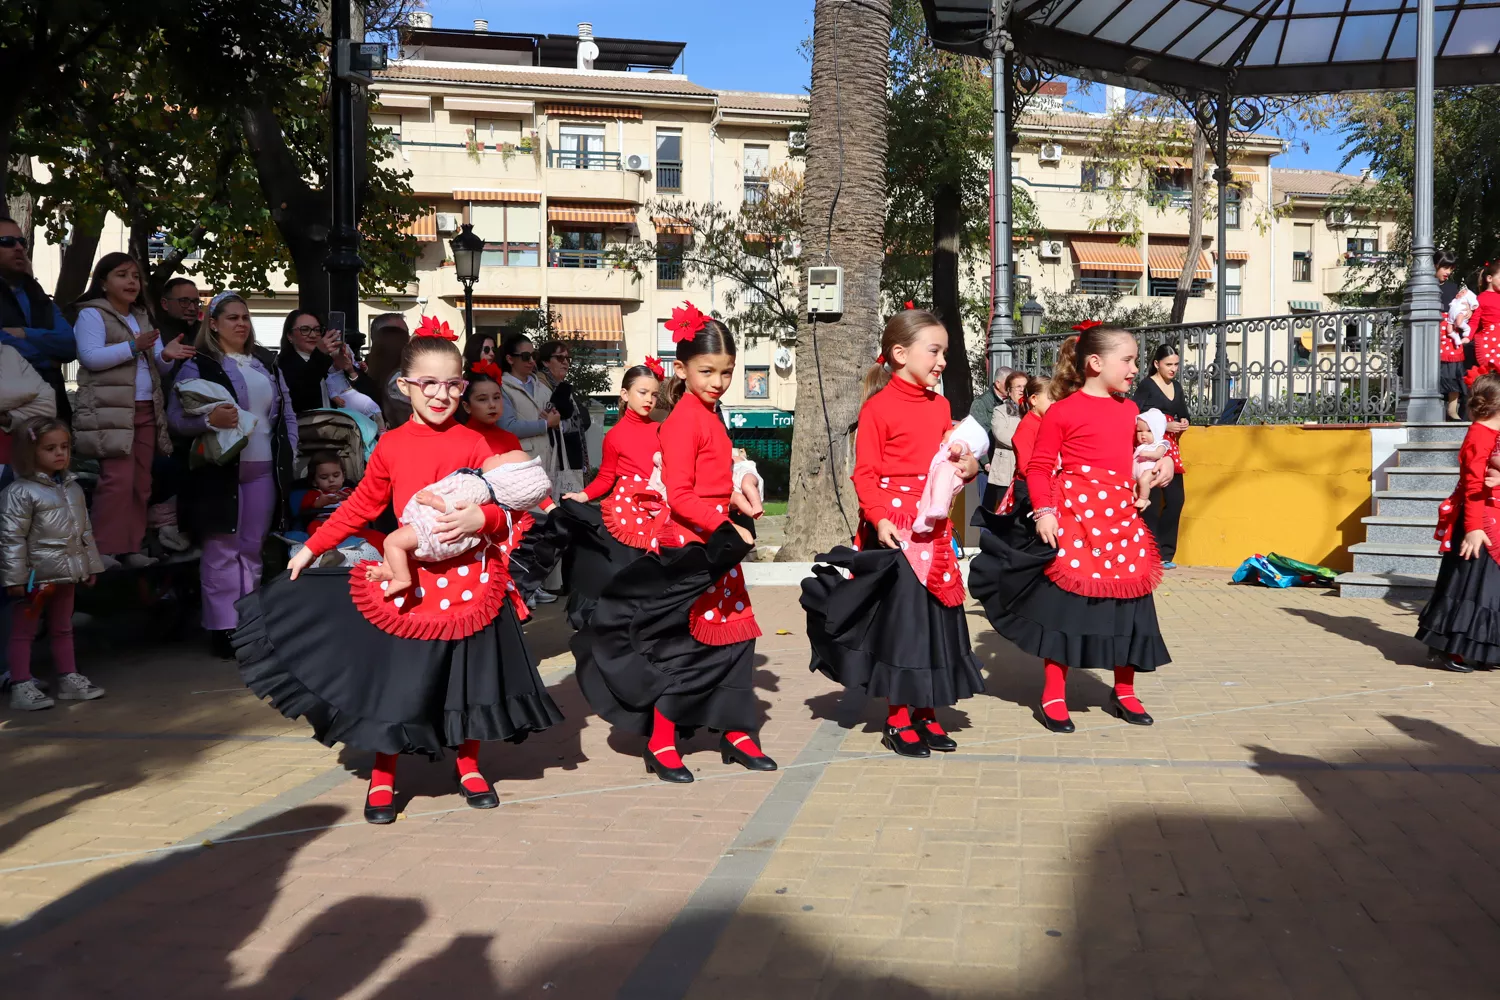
(587, 53)
(783, 358)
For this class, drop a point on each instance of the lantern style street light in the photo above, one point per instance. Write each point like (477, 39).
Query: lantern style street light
(468, 253)
(1031, 317)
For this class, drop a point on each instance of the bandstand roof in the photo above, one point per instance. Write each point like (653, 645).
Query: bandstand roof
(1244, 47)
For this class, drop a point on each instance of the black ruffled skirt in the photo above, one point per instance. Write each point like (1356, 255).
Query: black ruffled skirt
(304, 646)
(1451, 378)
(541, 549)
(638, 654)
(884, 632)
(597, 557)
(1007, 578)
(1462, 618)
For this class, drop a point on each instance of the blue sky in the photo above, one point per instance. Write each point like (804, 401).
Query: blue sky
(736, 46)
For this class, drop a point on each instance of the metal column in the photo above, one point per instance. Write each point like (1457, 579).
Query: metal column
(1423, 404)
(343, 263)
(1222, 177)
(1002, 310)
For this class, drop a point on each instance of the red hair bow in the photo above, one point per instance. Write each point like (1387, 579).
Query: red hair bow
(909, 305)
(487, 368)
(431, 326)
(1473, 374)
(1087, 324)
(656, 367)
(685, 323)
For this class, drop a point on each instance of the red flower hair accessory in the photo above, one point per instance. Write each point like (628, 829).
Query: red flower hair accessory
(656, 367)
(1087, 324)
(1473, 374)
(431, 326)
(685, 323)
(487, 368)
(909, 305)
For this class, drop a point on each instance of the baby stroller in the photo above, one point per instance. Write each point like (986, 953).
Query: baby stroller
(350, 436)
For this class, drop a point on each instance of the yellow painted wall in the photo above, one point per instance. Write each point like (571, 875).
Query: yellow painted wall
(1273, 488)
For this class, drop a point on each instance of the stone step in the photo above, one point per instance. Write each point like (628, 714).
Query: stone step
(1386, 586)
(1429, 453)
(1413, 530)
(1419, 477)
(1409, 503)
(1448, 430)
(1395, 557)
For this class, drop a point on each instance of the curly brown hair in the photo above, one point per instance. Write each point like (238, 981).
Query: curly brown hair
(1484, 397)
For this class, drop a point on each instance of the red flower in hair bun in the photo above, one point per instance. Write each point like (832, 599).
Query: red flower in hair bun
(685, 323)
(1473, 374)
(909, 305)
(487, 368)
(431, 326)
(656, 367)
(1087, 324)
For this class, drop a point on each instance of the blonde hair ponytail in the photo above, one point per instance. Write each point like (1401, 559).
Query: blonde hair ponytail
(901, 330)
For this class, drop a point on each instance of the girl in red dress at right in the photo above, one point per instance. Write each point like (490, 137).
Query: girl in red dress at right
(1484, 326)
(1075, 587)
(672, 641)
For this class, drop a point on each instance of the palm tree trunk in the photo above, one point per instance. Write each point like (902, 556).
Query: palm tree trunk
(1195, 229)
(845, 209)
(947, 226)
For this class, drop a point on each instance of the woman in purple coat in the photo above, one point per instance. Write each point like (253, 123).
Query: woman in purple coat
(230, 508)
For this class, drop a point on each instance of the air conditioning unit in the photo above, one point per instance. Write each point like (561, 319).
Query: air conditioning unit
(1050, 249)
(1051, 152)
(449, 222)
(1328, 336)
(1340, 217)
(638, 162)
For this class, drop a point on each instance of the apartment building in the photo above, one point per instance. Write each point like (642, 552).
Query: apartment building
(551, 147)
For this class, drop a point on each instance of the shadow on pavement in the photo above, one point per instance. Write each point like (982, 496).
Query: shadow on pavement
(1395, 647)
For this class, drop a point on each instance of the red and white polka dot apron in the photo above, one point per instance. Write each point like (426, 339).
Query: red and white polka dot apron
(634, 513)
(1447, 349)
(451, 599)
(1448, 523)
(930, 555)
(1487, 347)
(1103, 547)
(722, 616)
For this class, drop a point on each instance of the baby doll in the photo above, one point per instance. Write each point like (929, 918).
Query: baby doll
(1150, 448)
(747, 481)
(944, 484)
(1459, 313)
(517, 485)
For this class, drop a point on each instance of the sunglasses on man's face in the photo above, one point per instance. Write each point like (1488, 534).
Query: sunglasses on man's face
(11, 242)
(523, 356)
(187, 300)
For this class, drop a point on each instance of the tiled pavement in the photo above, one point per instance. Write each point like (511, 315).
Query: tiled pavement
(1313, 815)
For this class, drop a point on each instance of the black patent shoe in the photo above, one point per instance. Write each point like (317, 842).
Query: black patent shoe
(1063, 726)
(896, 745)
(675, 775)
(486, 799)
(379, 815)
(1447, 661)
(732, 754)
(218, 642)
(1126, 715)
(941, 742)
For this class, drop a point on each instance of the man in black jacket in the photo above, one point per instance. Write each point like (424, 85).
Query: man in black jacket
(29, 320)
(180, 311)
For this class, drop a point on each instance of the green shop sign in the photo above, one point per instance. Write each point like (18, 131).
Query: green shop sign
(759, 419)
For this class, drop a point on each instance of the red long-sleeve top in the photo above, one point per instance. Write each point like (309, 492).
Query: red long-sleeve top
(500, 440)
(1023, 442)
(1084, 430)
(900, 428)
(1473, 461)
(407, 459)
(696, 465)
(1488, 313)
(630, 449)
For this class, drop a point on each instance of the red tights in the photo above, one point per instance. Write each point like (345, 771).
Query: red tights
(382, 788)
(1055, 690)
(663, 741)
(903, 716)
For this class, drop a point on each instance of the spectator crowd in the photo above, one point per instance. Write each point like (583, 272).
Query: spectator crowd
(184, 438)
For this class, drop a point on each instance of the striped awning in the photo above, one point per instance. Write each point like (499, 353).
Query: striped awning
(592, 111)
(1166, 260)
(1236, 254)
(499, 303)
(1093, 254)
(599, 321)
(424, 226)
(488, 194)
(592, 212)
(666, 225)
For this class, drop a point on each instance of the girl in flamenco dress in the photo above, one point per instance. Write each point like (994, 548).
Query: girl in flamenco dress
(896, 628)
(1461, 622)
(1068, 576)
(443, 665)
(632, 497)
(672, 641)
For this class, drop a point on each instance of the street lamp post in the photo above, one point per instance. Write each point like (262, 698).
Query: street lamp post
(1424, 304)
(1032, 314)
(468, 253)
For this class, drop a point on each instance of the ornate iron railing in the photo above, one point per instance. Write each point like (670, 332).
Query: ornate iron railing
(1327, 367)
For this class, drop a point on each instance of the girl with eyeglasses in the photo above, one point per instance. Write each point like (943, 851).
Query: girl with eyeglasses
(440, 665)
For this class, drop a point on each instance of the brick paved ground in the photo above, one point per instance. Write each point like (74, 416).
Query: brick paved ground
(1314, 814)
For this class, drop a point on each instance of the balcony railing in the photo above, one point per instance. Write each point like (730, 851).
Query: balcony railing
(575, 258)
(1100, 285)
(1323, 368)
(1231, 301)
(1301, 268)
(669, 273)
(757, 189)
(669, 175)
(582, 159)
